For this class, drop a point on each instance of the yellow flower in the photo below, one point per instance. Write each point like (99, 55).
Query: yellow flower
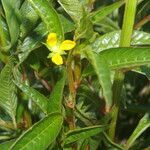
(57, 49)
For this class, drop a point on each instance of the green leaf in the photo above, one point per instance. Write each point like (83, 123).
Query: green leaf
(13, 22)
(85, 116)
(107, 25)
(55, 100)
(103, 73)
(49, 16)
(85, 28)
(36, 96)
(82, 144)
(140, 38)
(6, 145)
(83, 133)
(8, 99)
(116, 58)
(114, 145)
(40, 135)
(29, 18)
(68, 25)
(4, 35)
(73, 8)
(100, 14)
(121, 58)
(112, 39)
(32, 42)
(144, 123)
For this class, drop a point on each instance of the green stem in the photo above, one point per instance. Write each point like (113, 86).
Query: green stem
(117, 88)
(128, 23)
(77, 71)
(70, 75)
(72, 97)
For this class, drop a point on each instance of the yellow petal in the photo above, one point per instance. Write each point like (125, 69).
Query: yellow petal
(51, 39)
(67, 45)
(57, 59)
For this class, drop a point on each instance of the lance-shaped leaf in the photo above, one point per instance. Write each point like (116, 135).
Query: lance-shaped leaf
(11, 13)
(109, 141)
(29, 20)
(55, 100)
(100, 14)
(144, 123)
(85, 28)
(8, 99)
(40, 100)
(120, 58)
(103, 73)
(83, 133)
(111, 40)
(49, 16)
(4, 35)
(40, 135)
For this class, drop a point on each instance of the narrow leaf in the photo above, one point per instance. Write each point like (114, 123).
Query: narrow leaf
(103, 73)
(83, 133)
(114, 145)
(11, 13)
(29, 20)
(144, 123)
(121, 58)
(40, 135)
(104, 11)
(4, 35)
(8, 99)
(55, 100)
(49, 16)
(85, 28)
(36, 96)
(40, 100)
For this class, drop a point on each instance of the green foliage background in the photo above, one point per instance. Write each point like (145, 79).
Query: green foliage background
(98, 99)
